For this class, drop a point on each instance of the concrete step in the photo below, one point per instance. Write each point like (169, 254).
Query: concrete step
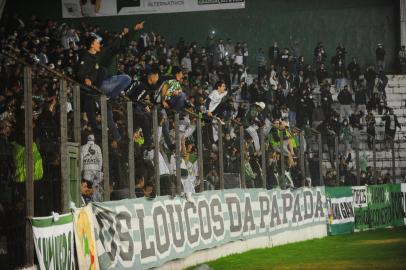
(395, 89)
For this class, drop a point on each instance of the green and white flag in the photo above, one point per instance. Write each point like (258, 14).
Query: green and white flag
(340, 210)
(383, 207)
(53, 239)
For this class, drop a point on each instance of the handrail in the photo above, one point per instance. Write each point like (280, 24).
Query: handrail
(52, 71)
(314, 131)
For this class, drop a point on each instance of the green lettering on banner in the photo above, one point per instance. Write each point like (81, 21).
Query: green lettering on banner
(53, 239)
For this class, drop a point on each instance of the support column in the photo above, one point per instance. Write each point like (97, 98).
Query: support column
(177, 155)
(105, 148)
(130, 131)
(320, 159)
(65, 185)
(302, 159)
(263, 157)
(402, 10)
(242, 158)
(77, 137)
(29, 181)
(156, 152)
(200, 153)
(221, 156)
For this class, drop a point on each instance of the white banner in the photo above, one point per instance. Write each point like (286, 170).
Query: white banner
(340, 210)
(360, 196)
(53, 239)
(93, 8)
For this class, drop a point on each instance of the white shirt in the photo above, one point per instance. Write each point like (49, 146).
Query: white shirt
(238, 60)
(215, 99)
(186, 63)
(91, 157)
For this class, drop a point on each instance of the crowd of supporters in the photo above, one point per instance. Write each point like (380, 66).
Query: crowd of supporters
(329, 94)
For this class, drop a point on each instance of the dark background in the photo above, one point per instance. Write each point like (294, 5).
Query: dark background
(358, 24)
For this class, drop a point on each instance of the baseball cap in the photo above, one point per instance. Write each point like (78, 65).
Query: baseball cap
(260, 104)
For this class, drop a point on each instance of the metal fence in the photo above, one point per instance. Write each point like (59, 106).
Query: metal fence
(223, 153)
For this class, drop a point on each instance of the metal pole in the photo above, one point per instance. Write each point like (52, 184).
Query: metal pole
(177, 155)
(220, 152)
(76, 115)
(200, 153)
(374, 160)
(282, 178)
(156, 152)
(302, 160)
(29, 181)
(105, 148)
(65, 185)
(130, 131)
(263, 157)
(242, 157)
(393, 160)
(320, 159)
(357, 160)
(77, 136)
(336, 156)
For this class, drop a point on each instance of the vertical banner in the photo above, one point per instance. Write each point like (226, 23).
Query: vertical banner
(53, 239)
(85, 240)
(382, 207)
(93, 8)
(340, 210)
(140, 233)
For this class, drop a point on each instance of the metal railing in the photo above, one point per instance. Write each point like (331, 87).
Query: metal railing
(272, 161)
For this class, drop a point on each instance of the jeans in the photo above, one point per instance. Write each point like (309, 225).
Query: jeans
(178, 102)
(165, 128)
(114, 85)
(340, 83)
(252, 131)
(292, 118)
(345, 111)
(111, 125)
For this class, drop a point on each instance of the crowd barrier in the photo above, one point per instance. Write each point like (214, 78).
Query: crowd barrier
(143, 233)
(51, 181)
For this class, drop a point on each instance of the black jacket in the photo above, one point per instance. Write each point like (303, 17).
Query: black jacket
(387, 120)
(93, 66)
(345, 97)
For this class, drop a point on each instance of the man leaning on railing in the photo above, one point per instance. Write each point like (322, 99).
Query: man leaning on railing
(93, 72)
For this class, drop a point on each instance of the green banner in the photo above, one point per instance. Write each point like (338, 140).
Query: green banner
(340, 210)
(383, 207)
(141, 233)
(53, 239)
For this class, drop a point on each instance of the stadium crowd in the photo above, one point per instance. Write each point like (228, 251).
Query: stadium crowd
(290, 95)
